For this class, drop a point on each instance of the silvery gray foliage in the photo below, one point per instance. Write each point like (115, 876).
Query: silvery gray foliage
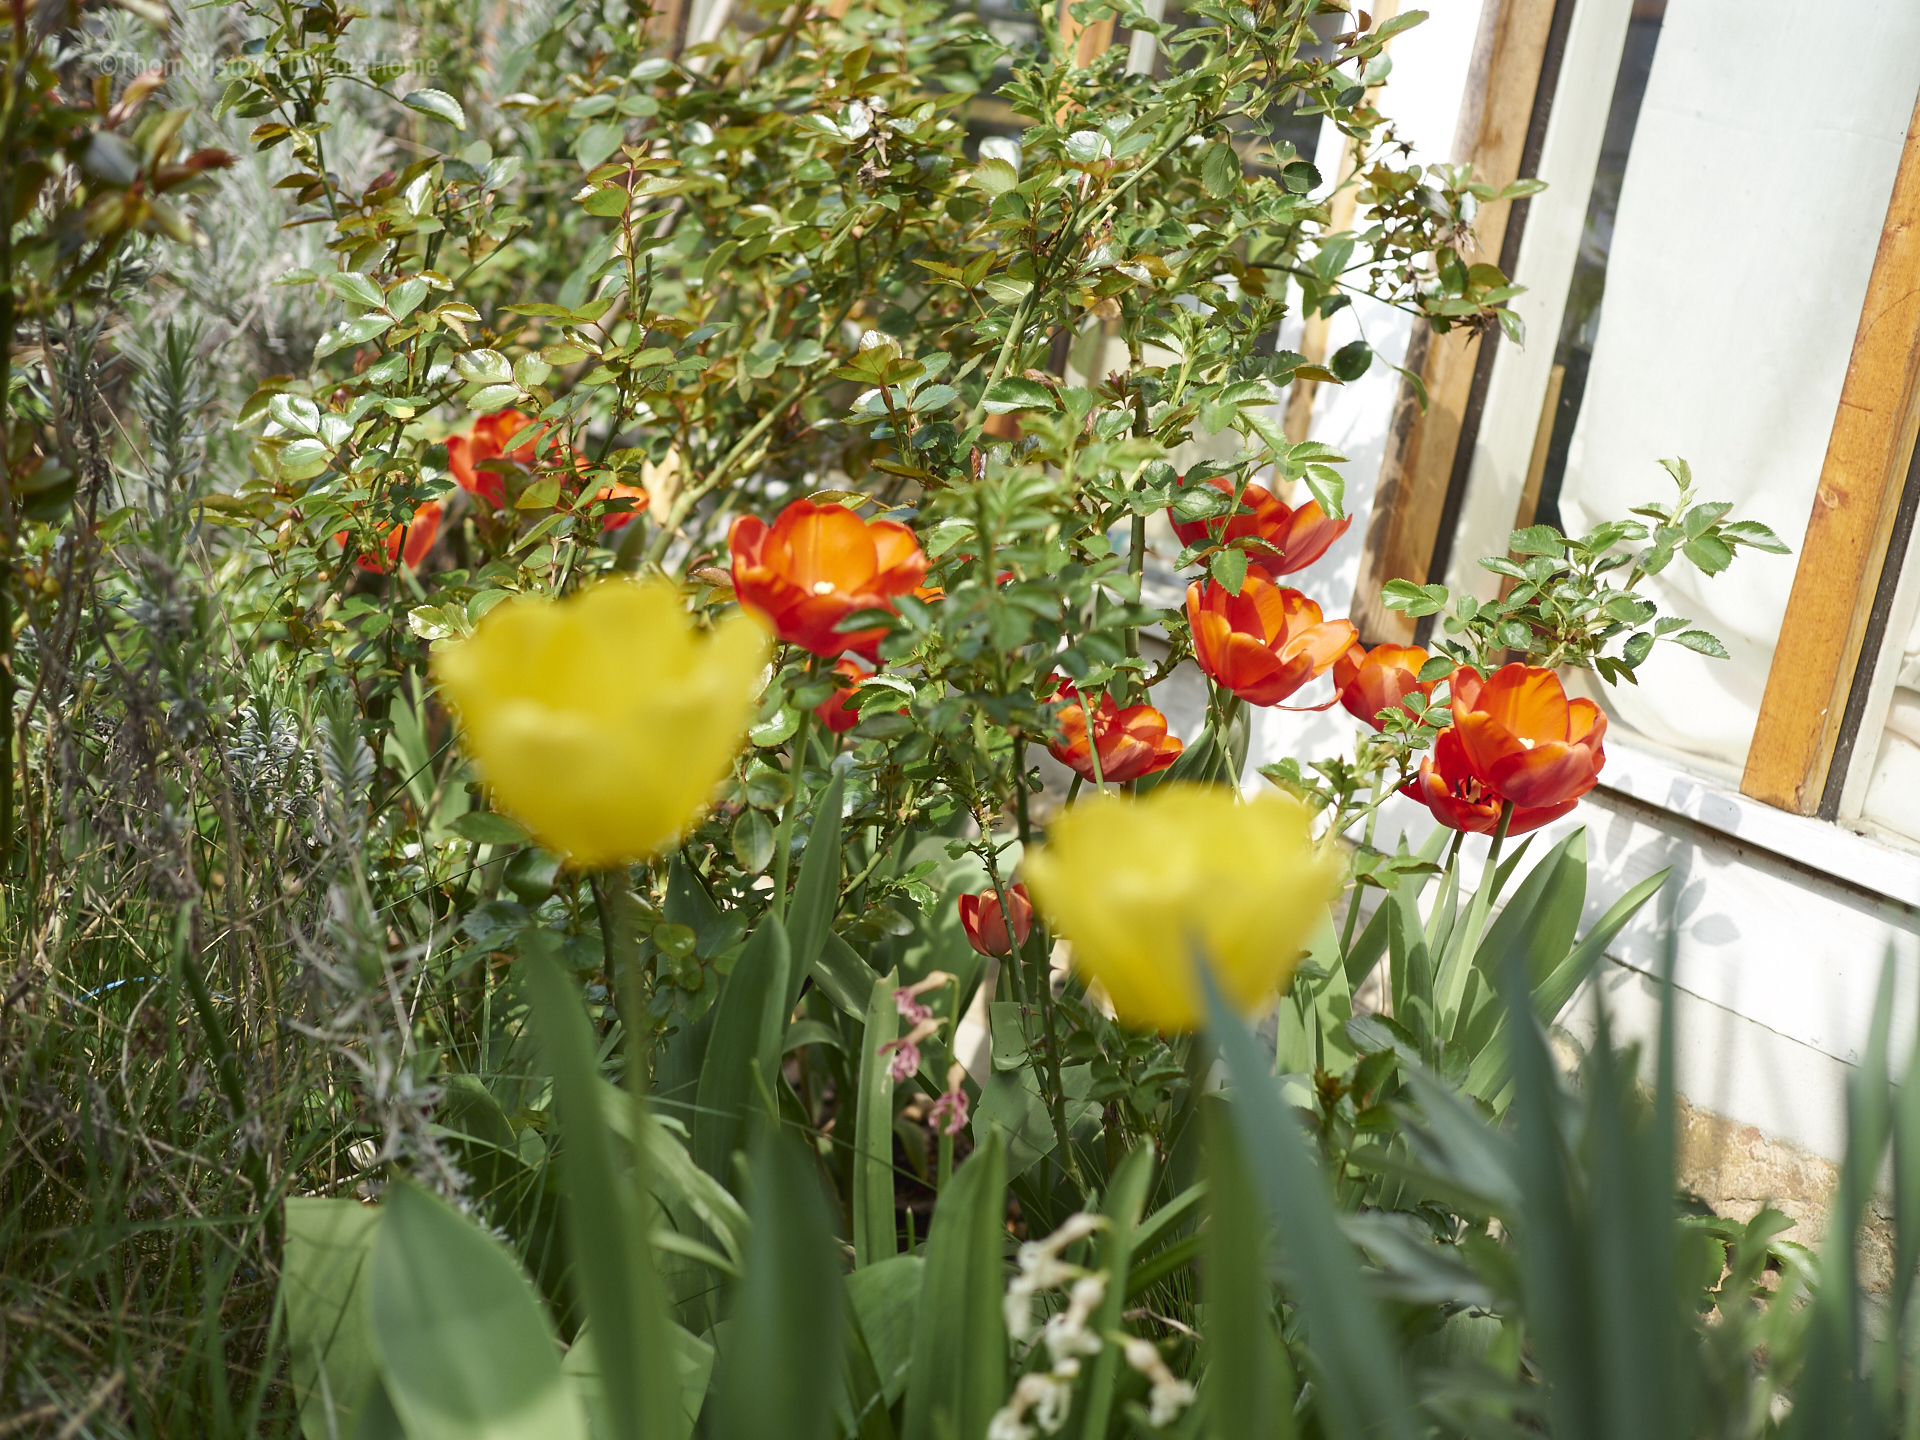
(364, 994)
(346, 763)
(273, 771)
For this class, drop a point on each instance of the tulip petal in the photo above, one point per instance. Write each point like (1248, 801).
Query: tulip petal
(1484, 740)
(1138, 887)
(1586, 724)
(1549, 774)
(897, 554)
(824, 545)
(1526, 700)
(569, 708)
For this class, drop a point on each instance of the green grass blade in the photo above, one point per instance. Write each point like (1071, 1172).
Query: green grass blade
(959, 1371)
(323, 1288)
(816, 893)
(1248, 1385)
(1124, 1197)
(875, 1236)
(780, 1365)
(1358, 1395)
(749, 1024)
(1553, 1245)
(606, 1218)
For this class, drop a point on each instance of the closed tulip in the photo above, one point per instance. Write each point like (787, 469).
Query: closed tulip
(986, 928)
(603, 722)
(1524, 739)
(818, 564)
(1290, 539)
(1447, 786)
(1142, 888)
(487, 440)
(1132, 742)
(1265, 642)
(1370, 681)
(409, 542)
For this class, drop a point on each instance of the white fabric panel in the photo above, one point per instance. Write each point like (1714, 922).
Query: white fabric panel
(1752, 205)
(1517, 388)
(1423, 97)
(1892, 800)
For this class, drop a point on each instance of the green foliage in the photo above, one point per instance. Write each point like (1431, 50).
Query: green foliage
(330, 1101)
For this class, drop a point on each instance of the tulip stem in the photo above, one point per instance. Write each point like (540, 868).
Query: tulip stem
(1014, 955)
(783, 836)
(1461, 951)
(1366, 843)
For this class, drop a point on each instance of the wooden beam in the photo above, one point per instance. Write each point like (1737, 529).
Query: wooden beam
(1086, 41)
(1414, 476)
(1818, 654)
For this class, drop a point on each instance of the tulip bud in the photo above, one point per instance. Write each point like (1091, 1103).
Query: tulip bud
(986, 928)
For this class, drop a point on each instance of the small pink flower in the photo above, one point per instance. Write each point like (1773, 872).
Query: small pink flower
(906, 1059)
(949, 1113)
(909, 1007)
(906, 1050)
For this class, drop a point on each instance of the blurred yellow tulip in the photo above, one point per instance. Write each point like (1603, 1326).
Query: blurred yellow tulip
(1139, 887)
(603, 722)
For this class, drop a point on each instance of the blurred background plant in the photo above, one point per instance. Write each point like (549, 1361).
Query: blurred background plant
(327, 332)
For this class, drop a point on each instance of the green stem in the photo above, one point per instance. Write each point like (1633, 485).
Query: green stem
(1008, 348)
(783, 836)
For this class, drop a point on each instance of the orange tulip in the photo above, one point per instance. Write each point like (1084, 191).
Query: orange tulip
(1293, 539)
(487, 440)
(1448, 787)
(417, 536)
(835, 712)
(1264, 643)
(1524, 739)
(1133, 742)
(986, 929)
(818, 564)
(1370, 681)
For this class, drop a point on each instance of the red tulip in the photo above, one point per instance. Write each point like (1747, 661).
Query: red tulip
(1133, 742)
(986, 930)
(1370, 681)
(1524, 739)
(417, 535)
(818, 564)
(1293, 539)
(1448, 787)
(836, 712)
(487, 440)
(1264, 643)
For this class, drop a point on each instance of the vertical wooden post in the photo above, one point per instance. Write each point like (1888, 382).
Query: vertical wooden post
(1421, 445)
(1818, 653)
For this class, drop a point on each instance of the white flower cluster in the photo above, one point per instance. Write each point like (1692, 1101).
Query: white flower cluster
(1043, 1397)
(1170, 1394)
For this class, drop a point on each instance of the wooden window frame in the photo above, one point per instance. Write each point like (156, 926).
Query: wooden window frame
(1423, 475)
(1863, 508)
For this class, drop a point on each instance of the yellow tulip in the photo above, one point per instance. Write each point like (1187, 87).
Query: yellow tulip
(603, 722)
(1140, 887)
